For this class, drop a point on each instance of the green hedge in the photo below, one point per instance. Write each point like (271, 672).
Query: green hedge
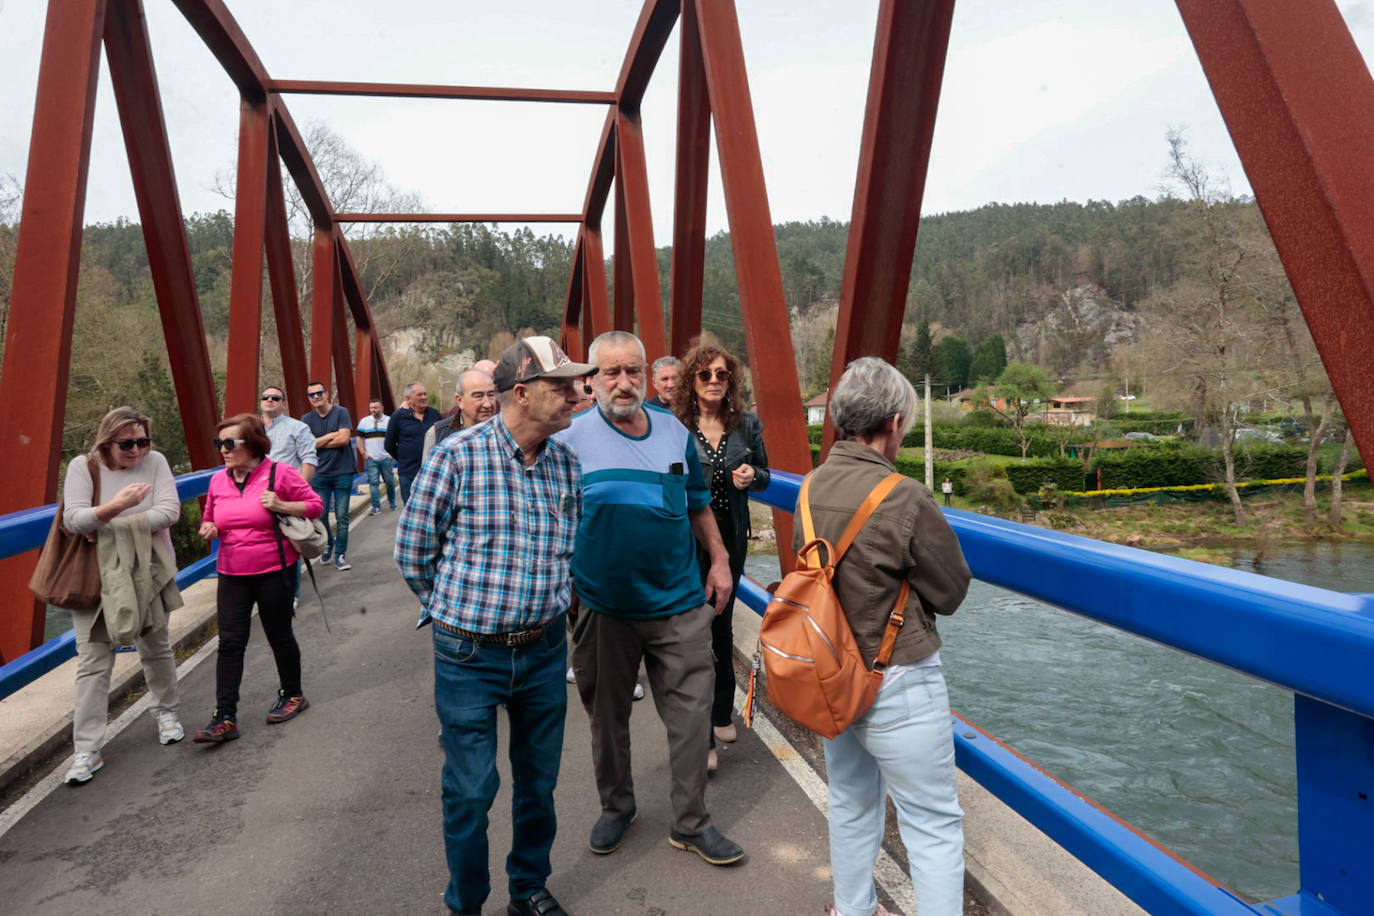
(1131, 469)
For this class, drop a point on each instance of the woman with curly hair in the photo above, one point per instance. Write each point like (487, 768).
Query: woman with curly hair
(729, 442)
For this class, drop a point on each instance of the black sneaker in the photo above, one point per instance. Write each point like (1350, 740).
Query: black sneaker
(609, 832)
(220, 729)
(541, 904)
(710, 844)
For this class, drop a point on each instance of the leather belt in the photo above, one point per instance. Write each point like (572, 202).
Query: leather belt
(515, 638)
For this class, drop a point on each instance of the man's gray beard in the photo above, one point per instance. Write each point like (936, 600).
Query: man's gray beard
(610, 408)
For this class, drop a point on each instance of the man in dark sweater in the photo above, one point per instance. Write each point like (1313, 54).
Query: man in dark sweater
(335, 466)
(405, 434)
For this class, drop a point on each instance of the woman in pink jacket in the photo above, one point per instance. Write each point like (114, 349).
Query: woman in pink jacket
(256, 566)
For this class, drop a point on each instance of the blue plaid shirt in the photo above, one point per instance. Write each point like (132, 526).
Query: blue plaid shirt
(484, 542)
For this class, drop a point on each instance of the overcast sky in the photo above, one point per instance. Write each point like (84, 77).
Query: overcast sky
(1043, 100)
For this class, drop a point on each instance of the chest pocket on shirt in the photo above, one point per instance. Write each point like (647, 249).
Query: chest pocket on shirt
(674, 493)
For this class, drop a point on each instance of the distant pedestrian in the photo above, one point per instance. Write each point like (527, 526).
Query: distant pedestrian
(474, 402)
(405, 434)
(256, 566)
(485, 543)
(947, 488)
(333, 480)
(135, 482)
(666, 370)
(380, 467)
(903, 746)
(646, 507)
(292, 441)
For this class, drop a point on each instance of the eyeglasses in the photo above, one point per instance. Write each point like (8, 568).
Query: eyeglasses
(230, 444)
(312, 395)
(275, 397)
(704, 375)
(127, 445)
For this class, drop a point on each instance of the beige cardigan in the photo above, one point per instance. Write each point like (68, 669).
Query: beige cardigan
(137, 579)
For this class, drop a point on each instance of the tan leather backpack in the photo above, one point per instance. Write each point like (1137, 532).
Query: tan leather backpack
(815, 673)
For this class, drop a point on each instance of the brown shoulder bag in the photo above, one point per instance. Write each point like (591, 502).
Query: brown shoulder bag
(815, 673)
(68, 571)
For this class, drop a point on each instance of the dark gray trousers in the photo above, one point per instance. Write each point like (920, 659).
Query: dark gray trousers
(676, 652)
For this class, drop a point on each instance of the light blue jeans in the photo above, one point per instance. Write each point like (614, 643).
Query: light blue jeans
(904, 744)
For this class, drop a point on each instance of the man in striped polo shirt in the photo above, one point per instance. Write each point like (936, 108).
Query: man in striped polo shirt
(644, 500)
(485, 542)
(380, 467)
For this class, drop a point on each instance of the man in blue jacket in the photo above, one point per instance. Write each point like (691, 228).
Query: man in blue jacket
(405, 434)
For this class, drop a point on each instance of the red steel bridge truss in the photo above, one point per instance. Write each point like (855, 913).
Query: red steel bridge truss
(1293, 89)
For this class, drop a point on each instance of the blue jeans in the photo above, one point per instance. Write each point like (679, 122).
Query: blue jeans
(335, 490)
(904, 744)
(470, 681)
(381, 471)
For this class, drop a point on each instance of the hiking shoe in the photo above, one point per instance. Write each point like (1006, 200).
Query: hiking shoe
(83, 768)
(220, 729)
(609, 833)
(341, 563)
(541, 904)
(375, 510)
(710, 844)
(286, 708)
(328, 556)
(169, 730)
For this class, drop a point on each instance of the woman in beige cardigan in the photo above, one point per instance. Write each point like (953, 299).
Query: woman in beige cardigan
(133, 479)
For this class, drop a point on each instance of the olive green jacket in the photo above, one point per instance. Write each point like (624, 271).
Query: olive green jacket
(907, 537)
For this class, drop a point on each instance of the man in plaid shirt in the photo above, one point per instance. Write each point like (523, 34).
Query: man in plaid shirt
(486, 542)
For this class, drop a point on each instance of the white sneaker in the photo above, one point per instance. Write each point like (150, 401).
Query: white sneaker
(639, 691)
(571, 676)
(83, 768)
(169, 730)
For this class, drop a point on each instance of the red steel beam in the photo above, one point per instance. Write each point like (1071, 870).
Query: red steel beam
(219, 30)
(245, 278)
(458, 217)
(903, 95)
(762, 306)
(381, 381)
(362, 380)
(130, 59)
(689, 204)
(38, 335)
(425, 91)
(622, 274)
(595, 305)
(301, 166)
(324, 281)
(1296, 96)
(572, 342)
(651, 33)
(344, 379)
(633, 179)
(281, 273)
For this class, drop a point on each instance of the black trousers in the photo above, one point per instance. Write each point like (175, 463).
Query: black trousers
(272, 592)
(722, 629)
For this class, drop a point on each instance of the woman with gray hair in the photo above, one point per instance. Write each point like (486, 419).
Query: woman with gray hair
(134, 479)
(904, 744)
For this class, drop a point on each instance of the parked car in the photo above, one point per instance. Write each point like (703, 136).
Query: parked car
(1142, 437)
(1255, 435)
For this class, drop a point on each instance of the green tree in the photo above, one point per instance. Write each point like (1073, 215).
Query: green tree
(951, 363)
(1020, 389)
(989, 359)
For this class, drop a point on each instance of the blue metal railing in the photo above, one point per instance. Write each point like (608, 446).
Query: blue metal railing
(1316, 643)
(23, 531)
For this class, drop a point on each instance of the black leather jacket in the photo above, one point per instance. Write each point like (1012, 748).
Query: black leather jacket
(743, 445)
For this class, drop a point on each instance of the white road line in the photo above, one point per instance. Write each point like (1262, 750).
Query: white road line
(30, 799)
(886, 872)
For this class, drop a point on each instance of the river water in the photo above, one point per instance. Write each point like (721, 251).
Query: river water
(1197, 756)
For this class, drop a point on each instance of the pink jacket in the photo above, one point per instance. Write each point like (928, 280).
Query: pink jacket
(247, 534)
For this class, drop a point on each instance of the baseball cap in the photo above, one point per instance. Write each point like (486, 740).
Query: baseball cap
(535, 357)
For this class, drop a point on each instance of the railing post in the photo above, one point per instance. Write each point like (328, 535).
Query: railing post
(1335, 751)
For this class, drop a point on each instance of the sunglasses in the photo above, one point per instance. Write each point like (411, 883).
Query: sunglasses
(128, 445)
(312, 395)
(704, 375)
(586, 389)
(230, 444)
(273, 397)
